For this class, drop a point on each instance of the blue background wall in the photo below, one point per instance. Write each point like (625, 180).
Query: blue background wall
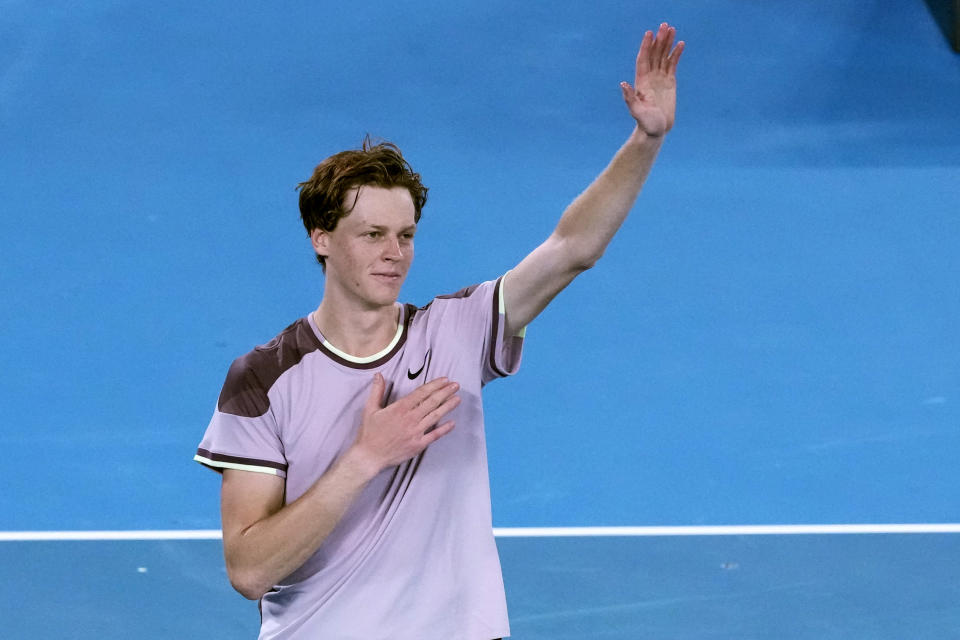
(772, 337)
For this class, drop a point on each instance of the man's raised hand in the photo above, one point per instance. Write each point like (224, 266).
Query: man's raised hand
(395, 433)
(652, 99)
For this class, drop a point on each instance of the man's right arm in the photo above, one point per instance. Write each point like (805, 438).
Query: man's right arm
(265, 541)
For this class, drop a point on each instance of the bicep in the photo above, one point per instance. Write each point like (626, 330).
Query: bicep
(530, 286)
(247, 497)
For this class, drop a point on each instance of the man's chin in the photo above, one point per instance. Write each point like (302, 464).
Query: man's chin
(386, 296)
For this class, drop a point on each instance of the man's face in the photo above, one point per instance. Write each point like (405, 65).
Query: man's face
(371, 249)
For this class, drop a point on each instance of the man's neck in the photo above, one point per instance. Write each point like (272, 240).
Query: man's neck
(358, 332)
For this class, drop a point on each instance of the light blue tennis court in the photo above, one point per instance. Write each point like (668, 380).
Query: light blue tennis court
(772, 338)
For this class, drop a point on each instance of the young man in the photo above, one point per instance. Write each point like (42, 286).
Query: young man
(355, 498)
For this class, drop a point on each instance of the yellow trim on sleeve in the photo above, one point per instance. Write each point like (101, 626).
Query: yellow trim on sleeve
(234, 465)
(502, 306)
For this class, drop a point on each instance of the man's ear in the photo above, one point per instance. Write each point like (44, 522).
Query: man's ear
(320, 240)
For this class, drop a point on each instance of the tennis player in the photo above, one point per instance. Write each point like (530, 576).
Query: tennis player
(355, 498)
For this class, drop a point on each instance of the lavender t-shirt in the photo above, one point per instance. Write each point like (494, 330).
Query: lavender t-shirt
(414, 556)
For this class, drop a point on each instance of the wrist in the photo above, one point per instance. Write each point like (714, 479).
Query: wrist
(640, 137)
(361, 462)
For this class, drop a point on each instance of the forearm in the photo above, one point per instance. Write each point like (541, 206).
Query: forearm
(263, 553)
(582, 234)
(593, 218)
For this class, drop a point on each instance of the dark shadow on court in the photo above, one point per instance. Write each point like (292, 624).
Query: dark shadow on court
(947, 15)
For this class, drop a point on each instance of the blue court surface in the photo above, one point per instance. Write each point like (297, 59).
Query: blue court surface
(772, 338)
(752, 587)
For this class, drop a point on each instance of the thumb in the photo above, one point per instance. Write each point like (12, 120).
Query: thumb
(627, 91)
(375, 399)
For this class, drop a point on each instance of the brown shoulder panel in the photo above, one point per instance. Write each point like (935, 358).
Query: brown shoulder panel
(252, 375)
(463, 293)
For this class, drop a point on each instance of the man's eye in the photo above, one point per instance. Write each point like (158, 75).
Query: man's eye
(373, 234)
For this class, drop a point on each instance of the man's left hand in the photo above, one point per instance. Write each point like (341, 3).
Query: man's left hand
(652, 99)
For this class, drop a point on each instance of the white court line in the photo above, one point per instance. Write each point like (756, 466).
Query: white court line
(726, 530)
(529, 532)
(59, 536)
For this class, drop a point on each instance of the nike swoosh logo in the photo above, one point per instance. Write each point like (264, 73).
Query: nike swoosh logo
(412, 375)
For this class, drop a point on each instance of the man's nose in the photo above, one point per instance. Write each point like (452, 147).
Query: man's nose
(393, 250)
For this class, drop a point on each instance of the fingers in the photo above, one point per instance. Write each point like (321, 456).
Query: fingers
(428, 396)
(643, 58)
(669, 33)
(433, 417)
(430, 402)
(375, 399)
(675, 57)
(431, 409)
(433, 435)
(657, 53)
(424, 391)
(660, 49)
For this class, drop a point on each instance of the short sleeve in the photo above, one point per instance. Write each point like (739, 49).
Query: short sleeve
(243, 433)
(480, 314)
